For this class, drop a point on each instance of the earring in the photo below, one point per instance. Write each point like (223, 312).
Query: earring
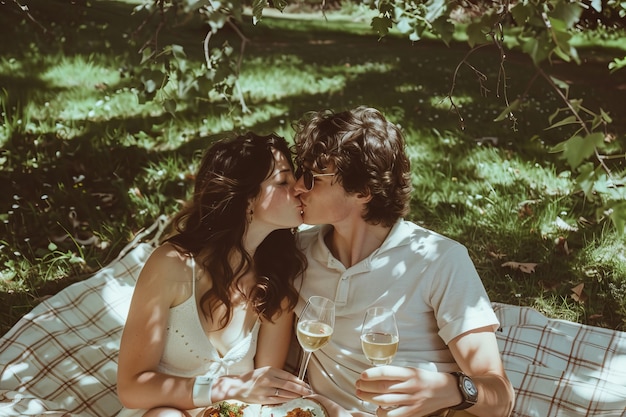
(250, 214)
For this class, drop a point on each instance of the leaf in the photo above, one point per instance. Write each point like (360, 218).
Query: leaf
(538, 47)
(578, 148)
(146, 55)
(561, 245)
(521, 13)
(568, 13)
(178, 52)
(280, 4)
(564, 48)
(508, 111)
(560, 83)
(617, 214)
(257, 10)
(578, 294)
(381, 25)
(442, 27)
(606, 116)
(617, 63)
(496, 255)
(559, 52)
(170, 106)
(475, 34)
(587, 179)
(525, 267)
(567, 121)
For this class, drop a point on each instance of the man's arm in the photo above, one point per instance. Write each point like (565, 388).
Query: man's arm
(408, 392)
(477, 355)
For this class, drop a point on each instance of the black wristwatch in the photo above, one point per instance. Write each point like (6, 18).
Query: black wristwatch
(468, 391)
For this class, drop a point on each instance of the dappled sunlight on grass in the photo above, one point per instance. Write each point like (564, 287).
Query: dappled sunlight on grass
(443, 102)
(290, 76)
(79, 71)
(493, 167)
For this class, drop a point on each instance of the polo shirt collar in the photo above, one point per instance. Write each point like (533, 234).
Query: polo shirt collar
(399, 235)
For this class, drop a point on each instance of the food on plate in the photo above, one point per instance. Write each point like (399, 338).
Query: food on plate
(224, 409)
(299, 407)
(299, 412)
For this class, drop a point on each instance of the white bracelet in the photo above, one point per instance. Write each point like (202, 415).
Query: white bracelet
(202, 391)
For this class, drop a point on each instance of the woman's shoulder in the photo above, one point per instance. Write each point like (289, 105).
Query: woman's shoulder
(168, 253)
(168, 261)
(167, 275)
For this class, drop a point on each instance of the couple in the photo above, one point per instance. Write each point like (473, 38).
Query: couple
(212, 313)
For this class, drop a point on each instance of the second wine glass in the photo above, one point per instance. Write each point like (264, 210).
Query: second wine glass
(379, 335)
(379, 340)
(315, 328)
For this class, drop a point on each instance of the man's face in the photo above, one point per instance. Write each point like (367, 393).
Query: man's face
(326, 201)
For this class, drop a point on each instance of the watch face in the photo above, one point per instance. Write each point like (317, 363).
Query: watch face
(469, 387)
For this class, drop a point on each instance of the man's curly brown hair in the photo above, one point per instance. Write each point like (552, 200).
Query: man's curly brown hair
(368, 153)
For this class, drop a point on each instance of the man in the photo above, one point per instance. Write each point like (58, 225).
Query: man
(354, 181)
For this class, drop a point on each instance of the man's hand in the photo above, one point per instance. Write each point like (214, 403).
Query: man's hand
(403, 392)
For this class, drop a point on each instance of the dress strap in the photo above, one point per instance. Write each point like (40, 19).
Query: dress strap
(193, 275)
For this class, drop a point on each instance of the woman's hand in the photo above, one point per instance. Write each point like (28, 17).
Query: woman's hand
(266, 385)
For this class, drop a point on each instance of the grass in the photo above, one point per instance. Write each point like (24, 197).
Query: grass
(81, 156)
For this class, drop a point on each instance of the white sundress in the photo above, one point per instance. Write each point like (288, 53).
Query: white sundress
(188, 352)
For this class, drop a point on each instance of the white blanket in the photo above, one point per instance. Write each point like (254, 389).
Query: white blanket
(61, 358)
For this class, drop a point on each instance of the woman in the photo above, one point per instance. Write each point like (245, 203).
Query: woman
(211, 315)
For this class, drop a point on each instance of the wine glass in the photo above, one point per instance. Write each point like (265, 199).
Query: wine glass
(379, 339)
(315, 327)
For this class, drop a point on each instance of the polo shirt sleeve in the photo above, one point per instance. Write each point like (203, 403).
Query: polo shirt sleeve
(458, 297)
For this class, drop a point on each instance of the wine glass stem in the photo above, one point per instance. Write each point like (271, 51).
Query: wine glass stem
(303, 364)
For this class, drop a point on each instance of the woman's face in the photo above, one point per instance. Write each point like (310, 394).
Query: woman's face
(277, 205)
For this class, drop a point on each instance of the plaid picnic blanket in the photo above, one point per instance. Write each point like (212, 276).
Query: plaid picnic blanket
(560, 368)
(61, 358)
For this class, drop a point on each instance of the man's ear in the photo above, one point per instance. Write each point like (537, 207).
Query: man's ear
(364, 197)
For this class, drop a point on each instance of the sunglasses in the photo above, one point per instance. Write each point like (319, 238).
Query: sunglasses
(308, 177)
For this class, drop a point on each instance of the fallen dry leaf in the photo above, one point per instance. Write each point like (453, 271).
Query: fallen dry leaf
(578, 294)
(525, 267)
(496, 255)
(561, 246)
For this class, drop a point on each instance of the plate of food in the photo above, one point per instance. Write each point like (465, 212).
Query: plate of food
(231, 409)
(299, 407)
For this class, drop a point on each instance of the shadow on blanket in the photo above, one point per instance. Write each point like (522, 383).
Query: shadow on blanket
(61, 358)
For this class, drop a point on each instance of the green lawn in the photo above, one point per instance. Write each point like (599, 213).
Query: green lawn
(82, 156)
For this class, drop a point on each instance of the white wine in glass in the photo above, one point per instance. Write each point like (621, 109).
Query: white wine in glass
(379, 348)
(315, 327)
(379, 339)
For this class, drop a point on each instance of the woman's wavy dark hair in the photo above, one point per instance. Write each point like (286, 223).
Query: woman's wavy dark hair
(369, 154)
(212, 225)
